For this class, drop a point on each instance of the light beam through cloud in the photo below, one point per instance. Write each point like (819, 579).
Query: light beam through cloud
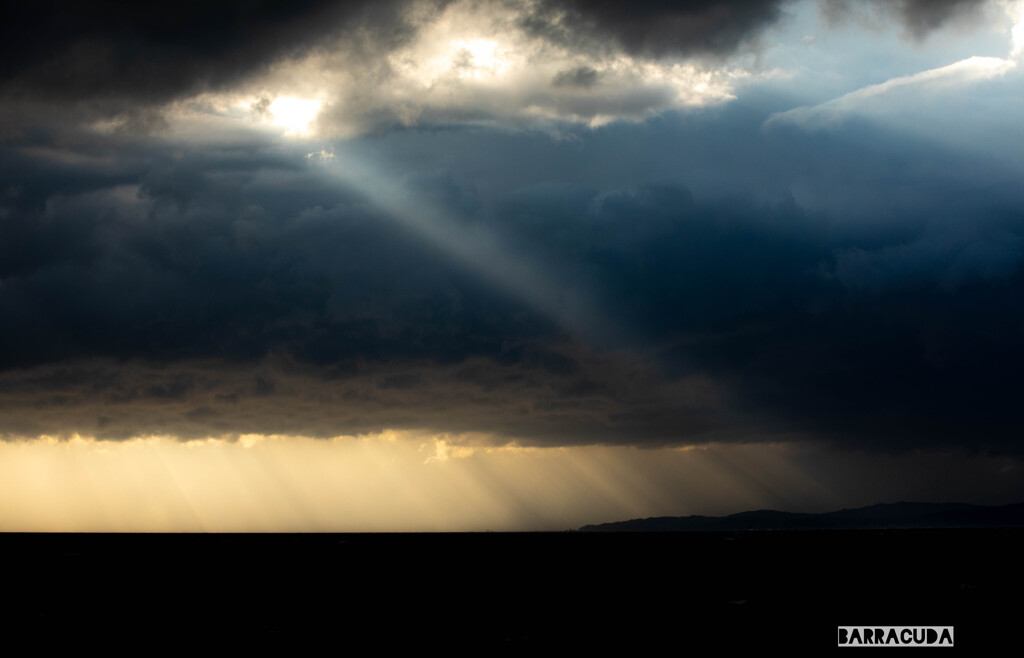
(572, 308)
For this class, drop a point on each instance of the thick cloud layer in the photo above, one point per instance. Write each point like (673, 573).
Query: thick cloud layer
(106, 51)
(736, 273)
(918, 17)
(653, 27)
(251, 288)
(383, 66)
(155, 52)
(159, 51)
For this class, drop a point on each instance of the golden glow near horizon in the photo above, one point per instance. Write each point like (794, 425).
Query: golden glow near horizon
(415, 481)
(392, 481)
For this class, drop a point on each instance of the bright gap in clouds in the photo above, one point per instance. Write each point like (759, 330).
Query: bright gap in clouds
(294, 114)
(473, 61)
(1015, 11)
(483, 56)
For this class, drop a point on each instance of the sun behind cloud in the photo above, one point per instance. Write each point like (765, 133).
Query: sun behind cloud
(294, 114)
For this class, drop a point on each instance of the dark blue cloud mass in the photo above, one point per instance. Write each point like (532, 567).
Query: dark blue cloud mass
(707, 274)
(891, 322)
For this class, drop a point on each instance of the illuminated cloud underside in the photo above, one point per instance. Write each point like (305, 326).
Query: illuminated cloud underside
(474, 63)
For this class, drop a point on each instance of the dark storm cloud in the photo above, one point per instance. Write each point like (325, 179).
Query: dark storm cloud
(922, 16)
(228, 254)
(112, 55)
(875, 306)
(653, 27)
(596, 401)
(237, 289)
(74, 64)
(918, 17)
(858, 285)
(226, 291)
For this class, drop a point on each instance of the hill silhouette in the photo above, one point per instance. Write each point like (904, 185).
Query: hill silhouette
(881, 516)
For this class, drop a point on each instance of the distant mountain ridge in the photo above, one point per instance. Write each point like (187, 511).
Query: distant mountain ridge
(881, 516)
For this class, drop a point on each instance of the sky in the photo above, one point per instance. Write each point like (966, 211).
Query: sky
(506, 264)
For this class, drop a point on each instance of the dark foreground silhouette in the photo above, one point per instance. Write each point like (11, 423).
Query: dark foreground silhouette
(570, 591)
(886, 515)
